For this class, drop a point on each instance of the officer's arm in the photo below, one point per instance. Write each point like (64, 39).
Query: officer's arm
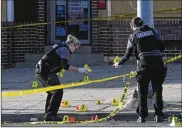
(160, 44)
(136, 55)
(64, 54)
(129, 50)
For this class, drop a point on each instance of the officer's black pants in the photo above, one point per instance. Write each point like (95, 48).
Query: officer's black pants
(150, 69)
(53, 97)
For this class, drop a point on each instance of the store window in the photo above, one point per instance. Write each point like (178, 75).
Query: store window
(70, 15)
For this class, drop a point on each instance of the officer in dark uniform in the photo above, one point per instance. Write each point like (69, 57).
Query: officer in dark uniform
(148, 47)
(46, 69)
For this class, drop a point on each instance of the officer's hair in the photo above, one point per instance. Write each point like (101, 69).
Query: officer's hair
(72, 40)
(136, 22)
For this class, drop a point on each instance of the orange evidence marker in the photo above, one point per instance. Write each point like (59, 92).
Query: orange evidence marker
(92, 118)
(72, 119)
(96, 117)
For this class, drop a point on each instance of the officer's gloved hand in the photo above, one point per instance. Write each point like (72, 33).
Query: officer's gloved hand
(82, 70)
(116, 65)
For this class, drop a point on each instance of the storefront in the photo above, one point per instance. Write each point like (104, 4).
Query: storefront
(65, 13)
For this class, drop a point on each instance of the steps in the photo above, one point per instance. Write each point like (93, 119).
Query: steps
(77, 59)
(91, 59)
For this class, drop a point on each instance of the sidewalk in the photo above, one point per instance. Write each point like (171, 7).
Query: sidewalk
(23, 108)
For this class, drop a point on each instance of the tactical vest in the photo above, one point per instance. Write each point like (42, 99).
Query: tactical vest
(145, 41)
(51, 61)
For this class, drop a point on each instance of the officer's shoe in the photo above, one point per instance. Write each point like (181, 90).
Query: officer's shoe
(53, 118)
(158, 118)
(141, 120)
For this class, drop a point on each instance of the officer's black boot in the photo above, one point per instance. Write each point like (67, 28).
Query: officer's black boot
(53, 118)
(158, 118)
(141, 120)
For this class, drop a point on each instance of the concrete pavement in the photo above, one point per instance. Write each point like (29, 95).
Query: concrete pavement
(23, 108)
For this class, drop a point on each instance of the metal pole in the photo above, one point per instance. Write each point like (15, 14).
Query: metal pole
(109, 8)
(145, 11)
(10, 10)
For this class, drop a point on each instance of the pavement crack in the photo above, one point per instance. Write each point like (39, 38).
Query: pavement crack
(30, 106)
(104, 107)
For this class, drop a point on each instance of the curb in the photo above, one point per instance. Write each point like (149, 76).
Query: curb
(122, 116)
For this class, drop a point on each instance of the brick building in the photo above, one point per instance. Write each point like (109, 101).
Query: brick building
(16, 42)
(107, 37)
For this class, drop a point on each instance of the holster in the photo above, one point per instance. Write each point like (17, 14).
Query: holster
(42, 67)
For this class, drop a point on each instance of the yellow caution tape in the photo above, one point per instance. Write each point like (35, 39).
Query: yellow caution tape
(173, 59)
(62, 86)
(121, 16)
(120, 104)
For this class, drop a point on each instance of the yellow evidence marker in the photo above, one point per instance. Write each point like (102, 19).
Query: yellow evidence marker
(99, 102)
(116, 59)
(87, 68)
(35, 84)
(66, 104)
(61, 73)
(86, 78)
(114, 102)
(175, 122)
(66, 118)
(82, 108)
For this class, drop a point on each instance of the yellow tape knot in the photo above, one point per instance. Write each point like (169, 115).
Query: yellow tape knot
(132, 74)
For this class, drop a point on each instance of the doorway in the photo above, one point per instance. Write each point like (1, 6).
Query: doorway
(69, 15)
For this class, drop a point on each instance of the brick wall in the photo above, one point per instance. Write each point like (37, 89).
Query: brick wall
(16, 42)
(94, 26)
(113, 35)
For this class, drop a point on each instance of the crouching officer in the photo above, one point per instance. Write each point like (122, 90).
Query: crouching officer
(150, 67)
(46, 69)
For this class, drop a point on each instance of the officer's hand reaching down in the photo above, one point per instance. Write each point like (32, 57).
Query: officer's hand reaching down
(82, 70)
(116, 65)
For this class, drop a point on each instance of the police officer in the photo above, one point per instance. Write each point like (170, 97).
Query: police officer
(46, 69)
(147, 45)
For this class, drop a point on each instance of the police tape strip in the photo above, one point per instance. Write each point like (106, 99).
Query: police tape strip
(62, 86)
(90, 19)
(120, 104)
(173, 59)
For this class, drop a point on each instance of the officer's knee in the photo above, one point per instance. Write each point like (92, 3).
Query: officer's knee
(61, 91)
